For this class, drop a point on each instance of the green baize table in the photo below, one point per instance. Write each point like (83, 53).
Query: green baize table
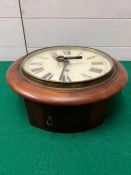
(26, 150)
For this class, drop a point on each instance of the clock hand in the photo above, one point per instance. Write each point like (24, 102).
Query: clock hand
(61, 58)
(66, 62)
(73, 57)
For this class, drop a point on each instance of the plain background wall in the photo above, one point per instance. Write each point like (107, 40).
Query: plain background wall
(26, 25)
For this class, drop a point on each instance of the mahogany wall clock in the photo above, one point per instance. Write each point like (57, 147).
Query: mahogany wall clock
(65, 88)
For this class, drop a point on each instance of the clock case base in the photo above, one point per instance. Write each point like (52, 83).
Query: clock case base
(64, 110)
(65, 118)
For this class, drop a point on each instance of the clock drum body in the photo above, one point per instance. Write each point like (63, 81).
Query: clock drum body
(61, 102)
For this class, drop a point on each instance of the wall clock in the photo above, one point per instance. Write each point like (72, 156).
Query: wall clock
(65, 88)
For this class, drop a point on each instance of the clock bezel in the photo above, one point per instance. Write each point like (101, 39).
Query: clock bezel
(67, 84)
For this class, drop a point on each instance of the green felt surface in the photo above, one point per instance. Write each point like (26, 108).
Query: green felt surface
(26, 150)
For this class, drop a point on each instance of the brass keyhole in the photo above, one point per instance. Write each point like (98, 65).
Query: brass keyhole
(49, 121)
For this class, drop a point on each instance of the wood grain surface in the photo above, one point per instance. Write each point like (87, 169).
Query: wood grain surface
(62, 96)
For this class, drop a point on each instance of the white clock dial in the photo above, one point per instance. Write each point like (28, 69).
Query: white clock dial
(78, 64)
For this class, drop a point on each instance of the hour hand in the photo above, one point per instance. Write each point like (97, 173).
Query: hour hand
(62, 58)
(73, 57)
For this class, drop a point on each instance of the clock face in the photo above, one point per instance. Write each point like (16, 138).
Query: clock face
(67, 64)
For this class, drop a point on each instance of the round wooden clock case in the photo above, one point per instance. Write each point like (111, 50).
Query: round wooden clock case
(65, 108)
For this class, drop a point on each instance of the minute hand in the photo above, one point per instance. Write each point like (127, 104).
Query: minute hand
(65, 64)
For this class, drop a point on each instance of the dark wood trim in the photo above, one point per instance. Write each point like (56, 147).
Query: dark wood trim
(65, 119)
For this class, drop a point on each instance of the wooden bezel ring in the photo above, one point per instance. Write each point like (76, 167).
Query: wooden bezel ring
(61, 96)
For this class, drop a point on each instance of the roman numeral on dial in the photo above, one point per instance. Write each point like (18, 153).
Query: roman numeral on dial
(67, 52)
(80, 53)
(37, 70)
(48, 76)
(38, 63)
(54, 54)
(97, 63)
(65, 78)
(86, 76)
(96, 70)
(41, 57)
(90, 57)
